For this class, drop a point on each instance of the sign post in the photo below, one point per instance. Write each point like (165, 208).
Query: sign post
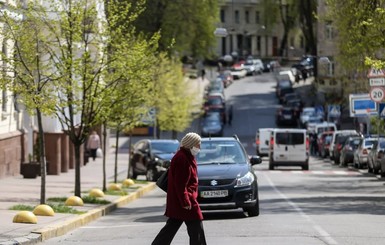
(377, 89)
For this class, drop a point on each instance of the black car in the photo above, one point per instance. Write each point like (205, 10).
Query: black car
(285, 116)
(283, 87)
(225, 176)
(151, 157)
(212, 124)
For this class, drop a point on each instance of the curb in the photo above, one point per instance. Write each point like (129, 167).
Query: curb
(62, 228)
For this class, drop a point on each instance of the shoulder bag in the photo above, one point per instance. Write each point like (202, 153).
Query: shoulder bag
(162, 181)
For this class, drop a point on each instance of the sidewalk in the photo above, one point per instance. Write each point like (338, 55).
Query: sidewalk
(17, 190)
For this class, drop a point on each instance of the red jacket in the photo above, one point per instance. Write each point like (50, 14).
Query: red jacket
(182, 187)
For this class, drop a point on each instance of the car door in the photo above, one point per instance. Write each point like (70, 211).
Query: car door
(290, 146)
(139, 155)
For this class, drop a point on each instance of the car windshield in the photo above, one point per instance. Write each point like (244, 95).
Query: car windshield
(215, 101)
(220, 152)
(382, 144)
(249, 62)
(164, 147)
(369, 143)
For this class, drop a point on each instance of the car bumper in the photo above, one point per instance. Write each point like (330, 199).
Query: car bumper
(238, 198)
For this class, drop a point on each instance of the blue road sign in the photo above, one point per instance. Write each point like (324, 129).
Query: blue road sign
(362, 105)
(334, 110)
(381, 110)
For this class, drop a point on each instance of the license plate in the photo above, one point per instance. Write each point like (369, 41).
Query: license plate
(287, 116)
(217, 193)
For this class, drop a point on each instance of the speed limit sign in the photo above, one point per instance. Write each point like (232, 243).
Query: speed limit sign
(377, 94)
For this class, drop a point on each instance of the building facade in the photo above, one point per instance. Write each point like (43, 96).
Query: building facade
(250, 34)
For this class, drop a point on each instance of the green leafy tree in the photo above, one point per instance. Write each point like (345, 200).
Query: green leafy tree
(189, 24)
(173, 101)
(27, 72)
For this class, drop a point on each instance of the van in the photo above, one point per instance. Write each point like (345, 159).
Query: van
(262, 139)
(289, 147)
(325, 126)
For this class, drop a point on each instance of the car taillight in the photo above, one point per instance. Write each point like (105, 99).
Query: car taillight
(339, 147)
(258, 141)
(272, 143)
(307, 144)
(365, 151)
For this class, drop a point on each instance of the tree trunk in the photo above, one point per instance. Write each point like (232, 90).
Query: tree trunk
(77, 170)
(42, 160)
(129, 152)
(116, 154)
(283, 44)
(104, 156)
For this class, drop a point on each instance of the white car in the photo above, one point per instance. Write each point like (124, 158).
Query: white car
(238, 71)
(305, 115)
(290, 74)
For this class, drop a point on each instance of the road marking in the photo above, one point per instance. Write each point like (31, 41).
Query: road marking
(324, 235)
(314, 172)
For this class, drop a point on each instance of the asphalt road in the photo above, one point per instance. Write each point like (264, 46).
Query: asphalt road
(325, 205)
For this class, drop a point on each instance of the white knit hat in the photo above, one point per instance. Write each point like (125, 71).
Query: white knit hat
(190, 140)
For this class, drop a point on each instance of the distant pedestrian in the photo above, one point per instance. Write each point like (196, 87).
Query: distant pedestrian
(182, 192)
(230, 114)
(93, 144)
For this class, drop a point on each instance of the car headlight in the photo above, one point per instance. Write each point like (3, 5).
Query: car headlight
(245, 180)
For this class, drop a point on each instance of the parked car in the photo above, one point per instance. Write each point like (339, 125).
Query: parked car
(306, 113)
(226, 78)
(285, 116)
(290, 74)
(348, 148)
(338, 144)
(215, 86)
(253, 66)
(290, 96)
(283, 87)
(335, 135)
(151, 157)
(306, 66)
(289, 147)
(361, 154)
(297, 106)
(262, 139)
(238, 71)
(376, 155)
(226, 179)
(212, 125)
(324, 141)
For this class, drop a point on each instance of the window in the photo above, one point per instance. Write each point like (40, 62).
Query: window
(236, 17)
(257, 17)
(329, 32)
(259, 44)
(223, 20)
(290, 138)
(247, 17)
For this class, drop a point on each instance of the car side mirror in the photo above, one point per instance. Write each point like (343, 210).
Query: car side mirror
(255, 160)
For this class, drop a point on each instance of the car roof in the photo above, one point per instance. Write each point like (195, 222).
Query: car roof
(162, 140)
(294, 130)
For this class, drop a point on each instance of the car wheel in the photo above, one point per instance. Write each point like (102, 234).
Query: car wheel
(305, 166)
(151, 174)
(253, 211)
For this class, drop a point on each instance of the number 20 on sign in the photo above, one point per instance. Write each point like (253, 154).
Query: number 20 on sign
(377, 94)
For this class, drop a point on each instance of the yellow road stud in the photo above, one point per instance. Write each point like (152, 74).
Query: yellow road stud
(96, 193)
(43, 210)
(74, 201)
(25, 217)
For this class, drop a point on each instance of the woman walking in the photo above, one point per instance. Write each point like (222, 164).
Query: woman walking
(182, 192)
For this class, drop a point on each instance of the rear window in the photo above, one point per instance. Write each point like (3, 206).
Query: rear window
(369, 143)
(286, 138)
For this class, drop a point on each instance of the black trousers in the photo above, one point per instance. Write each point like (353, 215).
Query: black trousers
(168, 232)
(93, 153)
